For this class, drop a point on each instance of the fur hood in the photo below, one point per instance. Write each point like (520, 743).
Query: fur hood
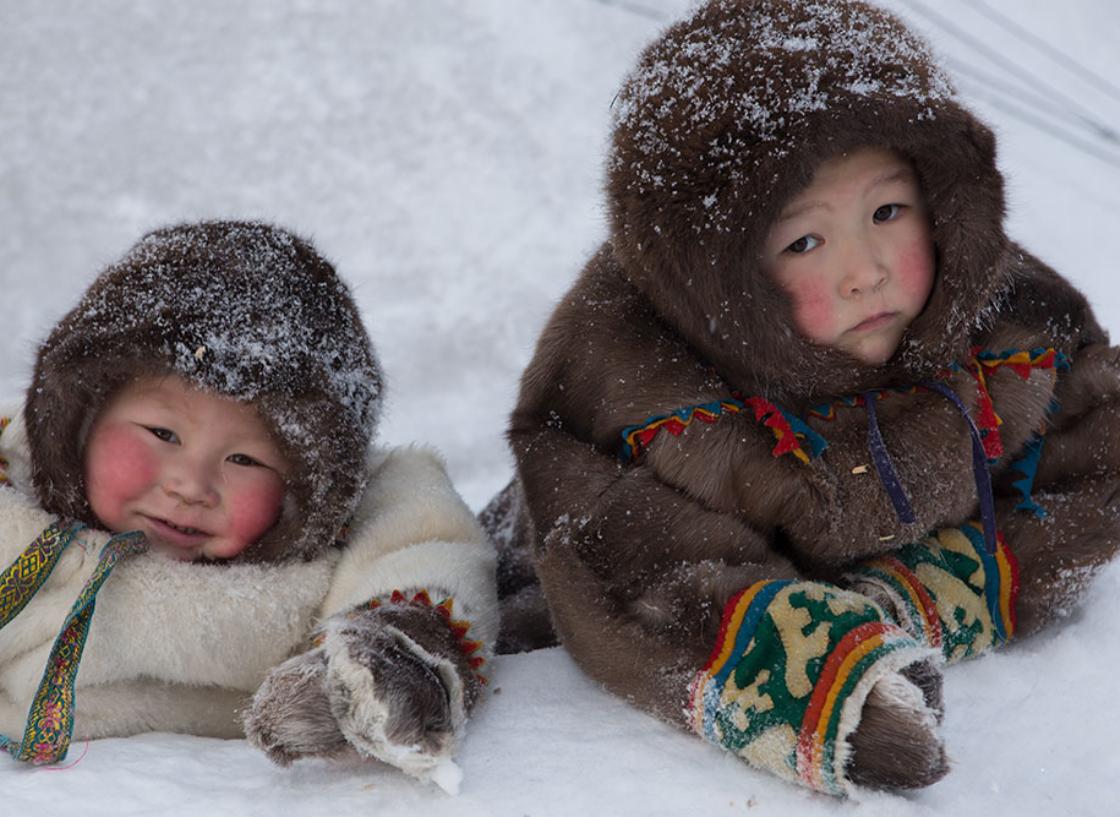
(243, 309)
(726, 118)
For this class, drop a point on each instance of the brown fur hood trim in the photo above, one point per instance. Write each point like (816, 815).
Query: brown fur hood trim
(726, 118)
(243, 309)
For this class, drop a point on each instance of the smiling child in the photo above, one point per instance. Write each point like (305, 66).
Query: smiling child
(201, 425)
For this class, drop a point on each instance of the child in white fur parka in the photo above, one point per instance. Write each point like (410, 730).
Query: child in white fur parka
(200, 426)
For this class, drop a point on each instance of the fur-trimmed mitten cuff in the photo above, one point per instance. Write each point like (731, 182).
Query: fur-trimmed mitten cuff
(947, 591)
(787, 682)
(394, 680)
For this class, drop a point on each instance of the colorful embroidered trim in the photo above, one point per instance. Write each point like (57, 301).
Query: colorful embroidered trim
(986, 419)
(916, 609)
(787, 657)
(50, 721)
(846, 665)
(1001, 582)
(1021, 362)
(827, 411)
(470, 648)
(740, 620)
(23, 578)
(1027, 465)
(788, 429)
(948, 591)
(4, 423)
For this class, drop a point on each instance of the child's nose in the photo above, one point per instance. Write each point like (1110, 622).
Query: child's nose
(864, 272)
(192, 484)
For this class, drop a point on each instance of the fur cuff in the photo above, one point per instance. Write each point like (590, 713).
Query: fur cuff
(785, 685)
(947, 591)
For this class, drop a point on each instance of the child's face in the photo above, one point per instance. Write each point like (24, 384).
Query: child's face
(854, 253)
(199, 474)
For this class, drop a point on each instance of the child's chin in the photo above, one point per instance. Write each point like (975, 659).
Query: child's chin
(874, 355)
(176, 553)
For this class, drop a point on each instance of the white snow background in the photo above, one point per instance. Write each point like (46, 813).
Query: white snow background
(447, 156)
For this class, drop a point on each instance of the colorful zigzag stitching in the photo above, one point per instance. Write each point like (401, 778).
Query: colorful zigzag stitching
(469, 647)
(788, 429)
(827, 411)
(791, 431)
(1020, 361)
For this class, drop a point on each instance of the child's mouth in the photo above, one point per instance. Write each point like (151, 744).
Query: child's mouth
(189, 531)
(181, 535)
(874, 322)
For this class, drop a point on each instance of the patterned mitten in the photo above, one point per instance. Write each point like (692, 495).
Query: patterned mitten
(947, 591)
(793, 666)
(392, 681)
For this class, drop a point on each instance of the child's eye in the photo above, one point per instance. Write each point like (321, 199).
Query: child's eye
(804, 244)
(165, 434)
(243, 459)
(888, 212)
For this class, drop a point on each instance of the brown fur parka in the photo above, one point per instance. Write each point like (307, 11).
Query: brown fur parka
(725, 119)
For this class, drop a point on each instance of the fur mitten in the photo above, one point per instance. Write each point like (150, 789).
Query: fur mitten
(812, 683)
(947, 591)
(392, 681)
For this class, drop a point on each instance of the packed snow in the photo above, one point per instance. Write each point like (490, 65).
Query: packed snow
(448, 157)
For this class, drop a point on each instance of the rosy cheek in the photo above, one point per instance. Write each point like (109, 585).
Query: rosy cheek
(813, 314)
(255, 508)
(119, 466)
(915, 273)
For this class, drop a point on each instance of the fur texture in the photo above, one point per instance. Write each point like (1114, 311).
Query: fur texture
(214, 634)
(725, 119)
(243, 309)
(253, 313)
(389, 683)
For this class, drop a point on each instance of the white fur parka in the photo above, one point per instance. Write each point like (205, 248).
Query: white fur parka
(181, 647)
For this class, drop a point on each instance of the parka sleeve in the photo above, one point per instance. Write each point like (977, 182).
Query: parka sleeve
(412, 533)
(21, 518)
(689, 615)
(398, 661)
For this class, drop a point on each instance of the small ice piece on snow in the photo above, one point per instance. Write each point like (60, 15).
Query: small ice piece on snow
(447, 775)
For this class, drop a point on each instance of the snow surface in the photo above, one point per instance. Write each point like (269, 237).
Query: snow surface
(447, 156)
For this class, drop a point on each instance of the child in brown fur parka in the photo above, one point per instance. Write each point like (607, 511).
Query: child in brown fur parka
(809, 424)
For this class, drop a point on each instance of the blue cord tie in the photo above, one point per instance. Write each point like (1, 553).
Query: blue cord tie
(893, 485)
(883, 465)
(979, 466)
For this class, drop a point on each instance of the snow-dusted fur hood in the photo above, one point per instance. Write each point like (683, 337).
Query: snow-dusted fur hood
(726, 118)
(243, 309)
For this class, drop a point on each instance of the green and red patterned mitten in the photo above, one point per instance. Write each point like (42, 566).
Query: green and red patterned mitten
(947, 590)
(786, 683)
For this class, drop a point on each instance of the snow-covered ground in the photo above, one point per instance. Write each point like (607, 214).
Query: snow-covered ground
(447, 156)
